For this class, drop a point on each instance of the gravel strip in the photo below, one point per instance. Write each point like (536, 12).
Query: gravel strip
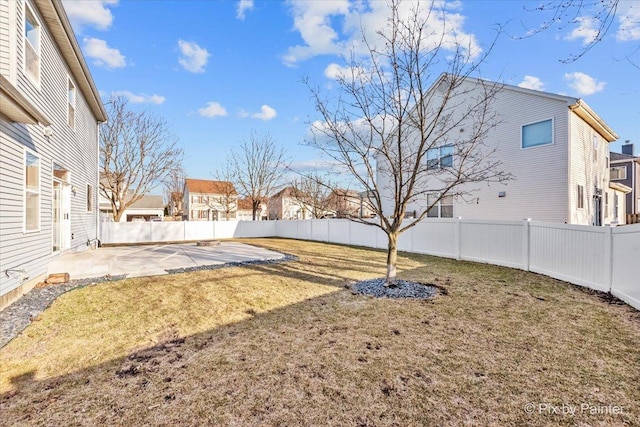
(402, 289)
(15, 318)
(286, 258)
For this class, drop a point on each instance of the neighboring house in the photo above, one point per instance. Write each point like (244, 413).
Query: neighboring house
(245, 210)
(625, 170)
(287, 204)
(50, 111)
(557, 149)
(349, 204)
(206, 200)
(148, 208)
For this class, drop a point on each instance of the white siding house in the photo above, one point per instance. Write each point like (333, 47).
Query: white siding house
(50, 112)
(556, 149)
(207, 200)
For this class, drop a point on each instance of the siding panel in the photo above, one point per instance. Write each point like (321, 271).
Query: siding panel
(76, 150)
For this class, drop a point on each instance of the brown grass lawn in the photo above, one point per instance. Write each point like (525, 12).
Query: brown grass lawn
(287, 344)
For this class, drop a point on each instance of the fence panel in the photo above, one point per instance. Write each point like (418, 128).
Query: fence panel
(199, 230)
(339, 231)
(225, 229)
(305, 229)
(601, 258)
(320, 230)
(574, 253)
(435, 237)
(499, 243)
(363, 235)
(625, 254)
(167, 231)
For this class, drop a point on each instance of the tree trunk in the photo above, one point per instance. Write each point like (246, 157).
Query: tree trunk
(392, 258)
(255, 209)
(116, 215)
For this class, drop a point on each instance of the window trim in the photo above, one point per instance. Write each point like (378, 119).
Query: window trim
(90, 200)
(623, 167)
(553, 136)
(71, 86)
(25, 191)
(29, 10)
(440, 157)
(580, 197)
(438, 206)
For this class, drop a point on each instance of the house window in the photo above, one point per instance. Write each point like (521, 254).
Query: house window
(441, 209)
(440, 157)
(32, 45)
(595, 148)
(580, 197)
(606, 204)
(195, 199)
(618, 173)
(89, 198)
(31, 192)
(535, 134)
(71, 101)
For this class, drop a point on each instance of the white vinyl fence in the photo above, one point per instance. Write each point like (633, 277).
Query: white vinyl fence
(601, 258)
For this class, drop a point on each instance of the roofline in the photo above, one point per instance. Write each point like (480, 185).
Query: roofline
(565, 98)
(72, 54)
(635, 159)
(29, 111)
(620, 187)
(588, 115)
(577, 105)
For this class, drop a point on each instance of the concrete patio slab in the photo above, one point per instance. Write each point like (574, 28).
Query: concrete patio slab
(137, 261)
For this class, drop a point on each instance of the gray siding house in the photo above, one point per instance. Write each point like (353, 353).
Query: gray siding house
(50, 112)
(625, 170)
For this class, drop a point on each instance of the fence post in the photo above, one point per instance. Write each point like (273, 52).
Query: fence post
(457, 236)
(608, 257)
(526, 236)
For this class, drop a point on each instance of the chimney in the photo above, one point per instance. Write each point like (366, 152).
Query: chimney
(627, 148)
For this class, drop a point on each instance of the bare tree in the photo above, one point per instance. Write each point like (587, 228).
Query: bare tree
(312, 191)
(396, 119)
(596, 17)
(258, 167)
(227, 199)
(174, 190)
(137, 154)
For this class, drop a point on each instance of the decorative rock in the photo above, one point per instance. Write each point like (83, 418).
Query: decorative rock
(401, 289)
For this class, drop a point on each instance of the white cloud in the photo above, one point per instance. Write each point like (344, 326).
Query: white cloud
(194, 58)
(102, 54)
(266, 113)
(316, 21)
(142, 98)
(243, 114)
(243, 6)
(89, 13)
(531, 82)
(629, 17)
(213, 109)
(336, 72)
(584, 84)
(587, 30)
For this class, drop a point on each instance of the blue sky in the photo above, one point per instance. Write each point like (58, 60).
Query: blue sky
(216, 70)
